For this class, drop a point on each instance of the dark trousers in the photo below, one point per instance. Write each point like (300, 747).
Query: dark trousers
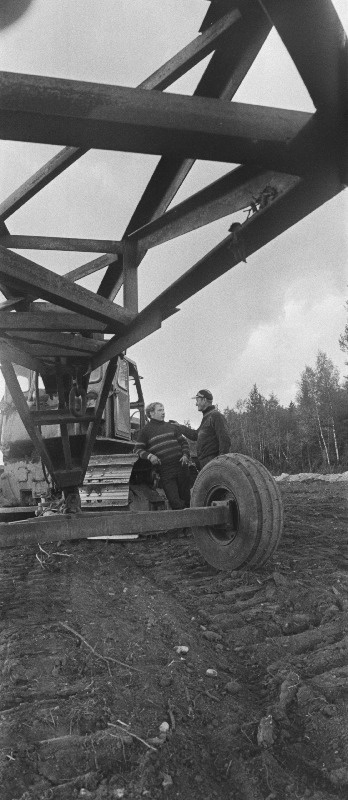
(176, 485)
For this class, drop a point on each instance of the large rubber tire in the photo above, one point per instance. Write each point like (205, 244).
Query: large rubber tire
(257, 512)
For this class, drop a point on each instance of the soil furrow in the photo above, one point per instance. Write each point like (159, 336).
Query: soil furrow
(101, 643)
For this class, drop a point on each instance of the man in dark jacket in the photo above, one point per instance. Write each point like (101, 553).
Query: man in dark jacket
(168, 451)
(212, 436)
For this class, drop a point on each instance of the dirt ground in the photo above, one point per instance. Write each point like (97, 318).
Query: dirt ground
(98, 702)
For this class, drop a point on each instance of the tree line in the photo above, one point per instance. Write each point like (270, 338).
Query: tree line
(310, 435)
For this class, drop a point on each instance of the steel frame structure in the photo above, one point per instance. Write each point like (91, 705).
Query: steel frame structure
(292, 161)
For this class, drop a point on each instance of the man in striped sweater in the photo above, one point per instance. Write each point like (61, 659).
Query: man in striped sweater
(167, 449)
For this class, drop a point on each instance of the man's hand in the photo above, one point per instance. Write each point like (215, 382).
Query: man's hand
(154, 460)
(184, 461)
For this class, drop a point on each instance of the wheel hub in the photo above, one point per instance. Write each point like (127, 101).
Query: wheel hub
(221, 496)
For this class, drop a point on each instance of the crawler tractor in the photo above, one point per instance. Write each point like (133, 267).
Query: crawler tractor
(115, 478)
(236, 512)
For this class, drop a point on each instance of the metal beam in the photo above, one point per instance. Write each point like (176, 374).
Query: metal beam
(47, 352)
(59, 417)
(98, 413)
(8, 304)
(234, 56)
(91, 267)
(57, 313)
(9, 352)
(162, 78)
(59, 243)
(235, 191)
(224, 77)
(61, 341)
(68, 479)
(14, 388)
(192, 54)
(11, 294)
(166, 180)
(52, 110)
(317, 43)
(224, 74)
(39, 180)
(261, 228)
(143, 325)
(112, 281)
(217, 9)
(64, 432)
(130, 276)
(44, 321)
(31, 277)
(65, 527)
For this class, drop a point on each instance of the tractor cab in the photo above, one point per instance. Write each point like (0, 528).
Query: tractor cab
(24, 480)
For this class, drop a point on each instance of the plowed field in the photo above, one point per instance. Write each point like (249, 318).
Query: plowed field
(256, 705)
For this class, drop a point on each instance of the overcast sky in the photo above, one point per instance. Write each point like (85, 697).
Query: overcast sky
(263, 321)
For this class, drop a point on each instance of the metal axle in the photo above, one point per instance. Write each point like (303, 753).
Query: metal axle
(67, 527)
